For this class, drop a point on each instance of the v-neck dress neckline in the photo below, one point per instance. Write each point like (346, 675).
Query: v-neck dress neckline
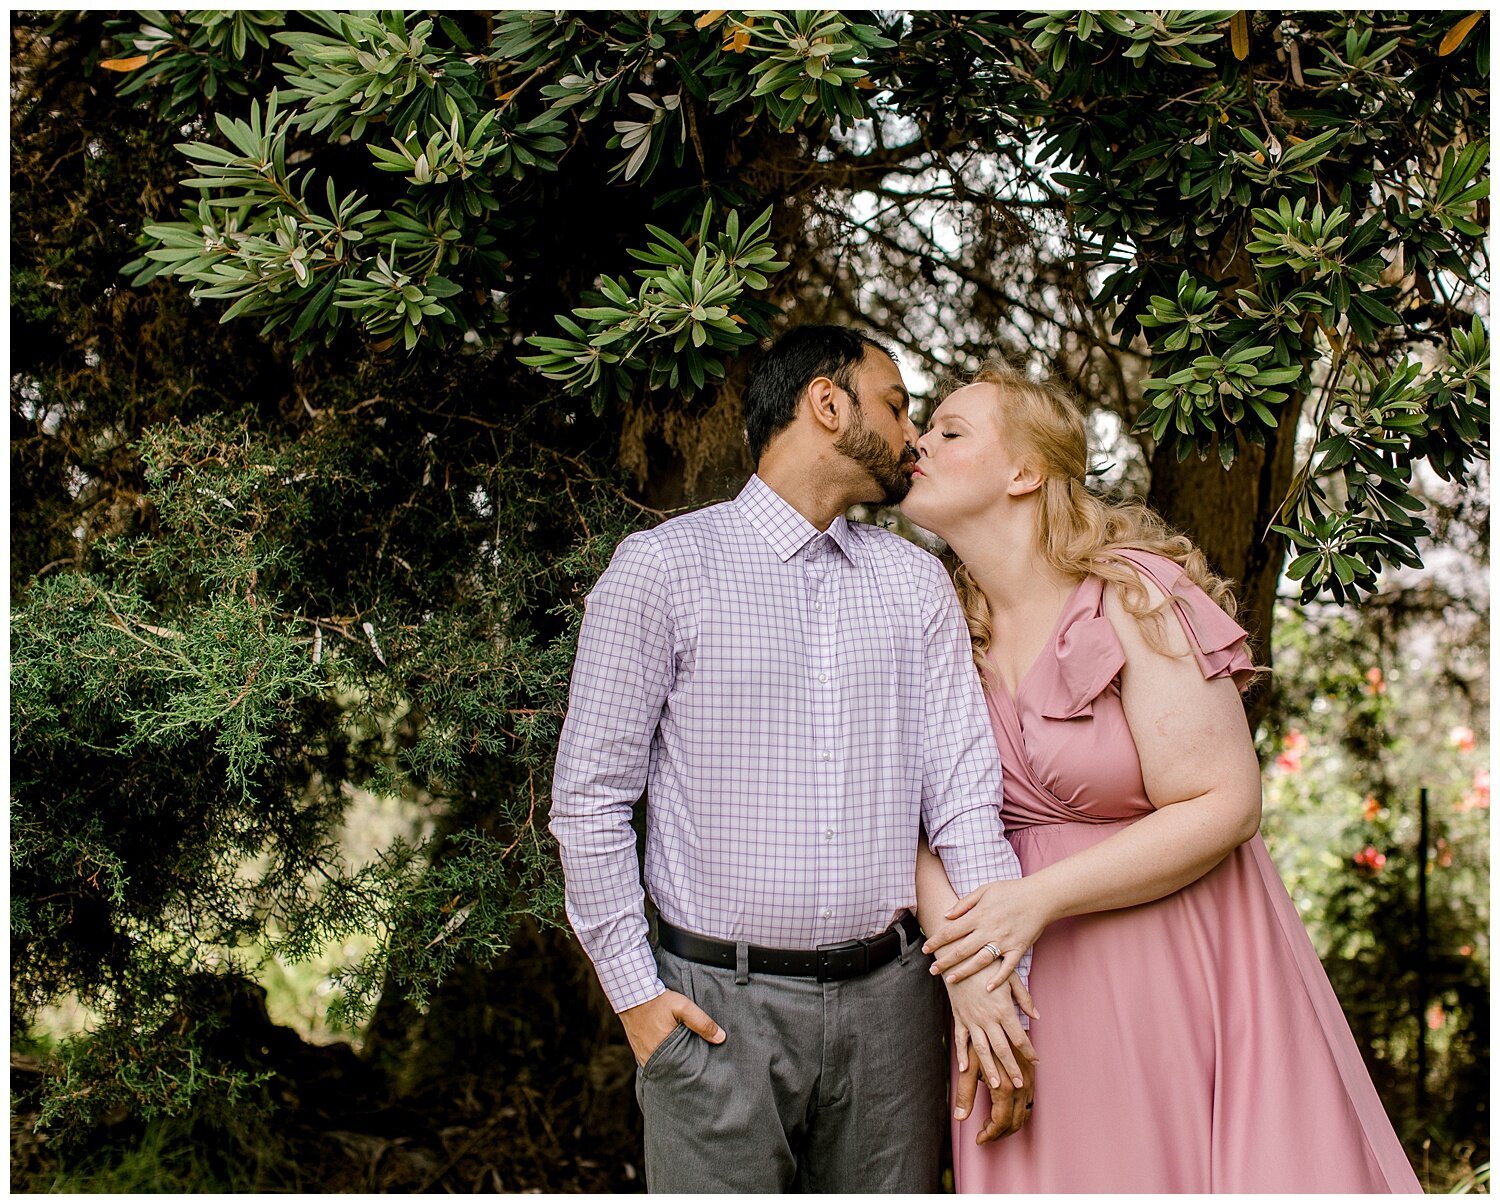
(1046, 648)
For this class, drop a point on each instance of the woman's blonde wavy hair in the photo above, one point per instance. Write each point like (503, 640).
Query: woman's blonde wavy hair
(1078, 528)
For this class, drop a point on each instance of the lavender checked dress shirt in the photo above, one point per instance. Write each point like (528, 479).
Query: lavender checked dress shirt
(795, 704)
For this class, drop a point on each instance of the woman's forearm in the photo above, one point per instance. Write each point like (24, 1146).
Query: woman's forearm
(1155, 856)
(935, 894)
(1198, 767)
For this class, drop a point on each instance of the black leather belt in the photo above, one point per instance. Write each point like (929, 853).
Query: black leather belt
(826, 963)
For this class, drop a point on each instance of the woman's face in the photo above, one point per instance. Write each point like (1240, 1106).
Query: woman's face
(966, 467)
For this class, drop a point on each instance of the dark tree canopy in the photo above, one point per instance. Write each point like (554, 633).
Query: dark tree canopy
(346, 345)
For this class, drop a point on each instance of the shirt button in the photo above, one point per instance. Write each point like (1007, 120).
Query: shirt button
(827, 833)
(827, 756)
(817, 606)
(822, 677)
(828, 913)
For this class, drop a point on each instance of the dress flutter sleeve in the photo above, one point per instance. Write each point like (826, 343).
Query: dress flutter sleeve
(1219, 644)
(1089, 656)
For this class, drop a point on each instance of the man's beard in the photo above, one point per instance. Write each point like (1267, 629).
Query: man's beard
(874, 455)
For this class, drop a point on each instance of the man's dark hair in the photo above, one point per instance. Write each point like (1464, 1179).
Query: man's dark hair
(797, 358)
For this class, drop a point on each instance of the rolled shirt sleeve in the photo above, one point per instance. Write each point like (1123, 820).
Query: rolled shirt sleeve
(620, 682)
(961, 772)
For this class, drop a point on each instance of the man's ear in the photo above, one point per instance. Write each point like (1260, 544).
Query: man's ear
(827, 403)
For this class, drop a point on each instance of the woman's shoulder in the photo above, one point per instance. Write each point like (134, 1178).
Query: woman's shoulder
(1135, 571)
(1192, 623)
(1158, 573)
(1155, 615)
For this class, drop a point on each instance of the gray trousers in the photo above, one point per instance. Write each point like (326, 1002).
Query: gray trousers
(837, 1086)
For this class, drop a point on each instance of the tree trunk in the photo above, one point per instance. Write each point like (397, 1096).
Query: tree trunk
(1228, 514)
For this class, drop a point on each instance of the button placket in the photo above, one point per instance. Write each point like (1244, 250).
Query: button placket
(825, 566)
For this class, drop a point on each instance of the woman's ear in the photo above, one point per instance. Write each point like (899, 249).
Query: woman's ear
(1027, 478)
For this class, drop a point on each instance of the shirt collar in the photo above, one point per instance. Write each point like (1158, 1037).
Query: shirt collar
(779, 524)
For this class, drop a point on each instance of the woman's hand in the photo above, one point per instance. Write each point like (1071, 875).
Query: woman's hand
(988, 1036)
(1008, 914)
(989, 1021)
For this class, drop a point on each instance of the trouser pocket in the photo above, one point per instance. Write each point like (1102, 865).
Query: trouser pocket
(664, 1052)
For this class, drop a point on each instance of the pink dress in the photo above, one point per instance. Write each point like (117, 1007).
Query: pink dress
(1192, 1044)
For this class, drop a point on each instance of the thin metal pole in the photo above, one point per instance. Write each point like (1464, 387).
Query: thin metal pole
(1423, 990)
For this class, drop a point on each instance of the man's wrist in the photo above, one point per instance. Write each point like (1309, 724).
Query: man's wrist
(635, 1008)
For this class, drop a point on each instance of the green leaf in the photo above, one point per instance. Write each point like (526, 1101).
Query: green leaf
(313, 309)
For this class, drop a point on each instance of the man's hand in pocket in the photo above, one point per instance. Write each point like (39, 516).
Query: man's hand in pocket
(648, 1024)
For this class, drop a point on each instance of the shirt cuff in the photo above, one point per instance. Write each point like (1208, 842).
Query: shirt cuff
(630, 979)
(1023, 972)
(969, 867)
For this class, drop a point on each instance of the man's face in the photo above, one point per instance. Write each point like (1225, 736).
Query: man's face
(881, 438)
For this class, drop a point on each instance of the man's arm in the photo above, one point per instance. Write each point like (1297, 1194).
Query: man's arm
(961, 794)
(961, 783)
(621, 678)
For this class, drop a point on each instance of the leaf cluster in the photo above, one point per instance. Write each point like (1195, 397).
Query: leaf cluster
(402, 263)
(1270, 218)
(687, 307)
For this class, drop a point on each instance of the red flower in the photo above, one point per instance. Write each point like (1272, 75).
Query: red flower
(1375, 679)
(1462, 738)
(1370, 858)
(1371, 808)
(1294, 743)
(1436, 1017)
(1477, 799)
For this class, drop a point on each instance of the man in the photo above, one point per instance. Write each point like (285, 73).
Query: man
(795, 694)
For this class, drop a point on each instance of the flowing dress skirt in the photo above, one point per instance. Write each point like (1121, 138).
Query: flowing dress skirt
(1192, 1044)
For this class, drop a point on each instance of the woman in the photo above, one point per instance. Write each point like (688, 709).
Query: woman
(1188, 1040)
